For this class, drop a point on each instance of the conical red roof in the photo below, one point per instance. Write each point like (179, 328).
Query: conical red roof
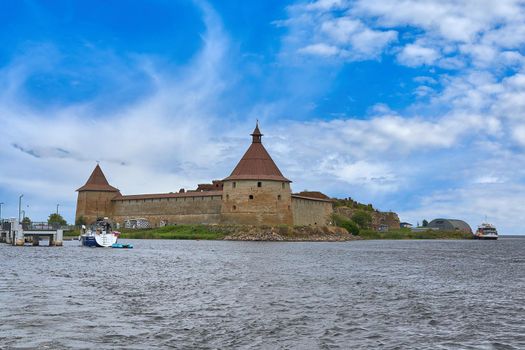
(98, 182)
(256, 164)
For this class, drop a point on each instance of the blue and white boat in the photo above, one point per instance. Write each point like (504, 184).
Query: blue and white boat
(99, 235)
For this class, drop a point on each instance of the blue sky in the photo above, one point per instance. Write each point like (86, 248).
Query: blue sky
(414, 106)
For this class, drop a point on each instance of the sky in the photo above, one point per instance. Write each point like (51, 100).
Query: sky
(415, 106)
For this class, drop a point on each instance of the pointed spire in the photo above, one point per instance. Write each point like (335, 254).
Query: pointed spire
(257, 164)
(98, 182)
(256, 135)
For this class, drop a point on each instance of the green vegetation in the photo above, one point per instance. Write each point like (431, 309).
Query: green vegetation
(72, 233)
(425, 223)
(363, 219)
(346, 223)
(174, 232)
(26, 221)
(350, 203)
(56, 219)
(406, 233)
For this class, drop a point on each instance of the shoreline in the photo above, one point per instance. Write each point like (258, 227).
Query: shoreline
(280, 233)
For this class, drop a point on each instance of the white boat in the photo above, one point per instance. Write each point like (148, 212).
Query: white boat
(486, 231)
(99, 235)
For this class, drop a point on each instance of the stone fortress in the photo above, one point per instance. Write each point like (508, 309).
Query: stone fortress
(256, 193)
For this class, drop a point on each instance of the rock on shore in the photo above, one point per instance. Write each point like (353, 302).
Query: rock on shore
(288, 233)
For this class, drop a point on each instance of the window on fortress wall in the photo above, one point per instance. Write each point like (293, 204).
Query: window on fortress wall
(259, 184)
(251, 196)
(279, 197)
(234, 207)
(227, 196)
(234, 184)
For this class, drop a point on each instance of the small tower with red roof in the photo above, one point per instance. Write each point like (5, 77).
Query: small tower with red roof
(94, 198)
(256, 192)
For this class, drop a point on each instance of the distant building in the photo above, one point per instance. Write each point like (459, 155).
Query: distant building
(256, 192)
(449, 225)
(405, 225)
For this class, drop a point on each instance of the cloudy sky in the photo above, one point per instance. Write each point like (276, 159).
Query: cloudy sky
(415, 106)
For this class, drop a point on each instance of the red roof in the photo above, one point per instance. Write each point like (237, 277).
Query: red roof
(312, 194)
(98, 182)
(256, 164)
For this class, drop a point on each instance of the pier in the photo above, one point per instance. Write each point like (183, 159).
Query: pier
(14, 233)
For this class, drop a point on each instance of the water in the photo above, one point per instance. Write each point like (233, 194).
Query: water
(250, 295)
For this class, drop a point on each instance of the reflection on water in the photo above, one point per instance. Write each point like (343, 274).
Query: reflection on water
(201, 294)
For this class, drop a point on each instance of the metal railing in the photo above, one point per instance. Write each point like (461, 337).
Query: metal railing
(43, 226)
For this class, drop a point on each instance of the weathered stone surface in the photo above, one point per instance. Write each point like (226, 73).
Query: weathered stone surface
(94, 204)
(311, 212)
(186, 210)
(245, 202)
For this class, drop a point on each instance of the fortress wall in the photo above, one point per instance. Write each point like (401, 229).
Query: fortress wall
(311, 212)
(175, 210)
(94, 204)
(270, 205)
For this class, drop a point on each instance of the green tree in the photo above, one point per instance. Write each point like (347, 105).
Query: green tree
(425, 223)
(345, 223)
(26, 222)
(363, 219)
(56, 219)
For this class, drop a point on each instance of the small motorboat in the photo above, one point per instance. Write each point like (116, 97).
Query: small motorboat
(99, 235)
(122, 245)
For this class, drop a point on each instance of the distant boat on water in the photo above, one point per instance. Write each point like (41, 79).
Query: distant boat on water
(99, 235)
(486, 231)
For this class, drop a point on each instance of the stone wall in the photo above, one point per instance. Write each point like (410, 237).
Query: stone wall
(94, 204)
(198, 209)
(247, 203)
(310, 211)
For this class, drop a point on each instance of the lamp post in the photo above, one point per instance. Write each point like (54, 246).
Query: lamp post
(57, 208)
(20, 207)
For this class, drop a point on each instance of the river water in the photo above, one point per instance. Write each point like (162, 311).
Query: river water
(265, 295)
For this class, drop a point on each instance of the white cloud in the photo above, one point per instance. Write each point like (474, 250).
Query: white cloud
(519, 134)
(314, 30)
(320, 49)
(161, 142)
(474, 30)
(415, 55)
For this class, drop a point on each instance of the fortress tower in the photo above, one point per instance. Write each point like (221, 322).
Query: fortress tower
(94, 198)
(256, 192)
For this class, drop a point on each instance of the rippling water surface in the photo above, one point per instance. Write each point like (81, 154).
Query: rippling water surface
(216, 295)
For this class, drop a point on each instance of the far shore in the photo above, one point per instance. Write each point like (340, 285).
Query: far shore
(277, 233)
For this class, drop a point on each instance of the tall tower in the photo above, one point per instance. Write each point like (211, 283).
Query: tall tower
(94, 198)
(256, 192)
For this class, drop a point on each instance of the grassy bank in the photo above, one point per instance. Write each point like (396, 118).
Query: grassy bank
(408, 234)
(173, 232)
(72, 233)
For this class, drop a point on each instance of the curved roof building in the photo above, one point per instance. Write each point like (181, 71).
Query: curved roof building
(450, 225)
